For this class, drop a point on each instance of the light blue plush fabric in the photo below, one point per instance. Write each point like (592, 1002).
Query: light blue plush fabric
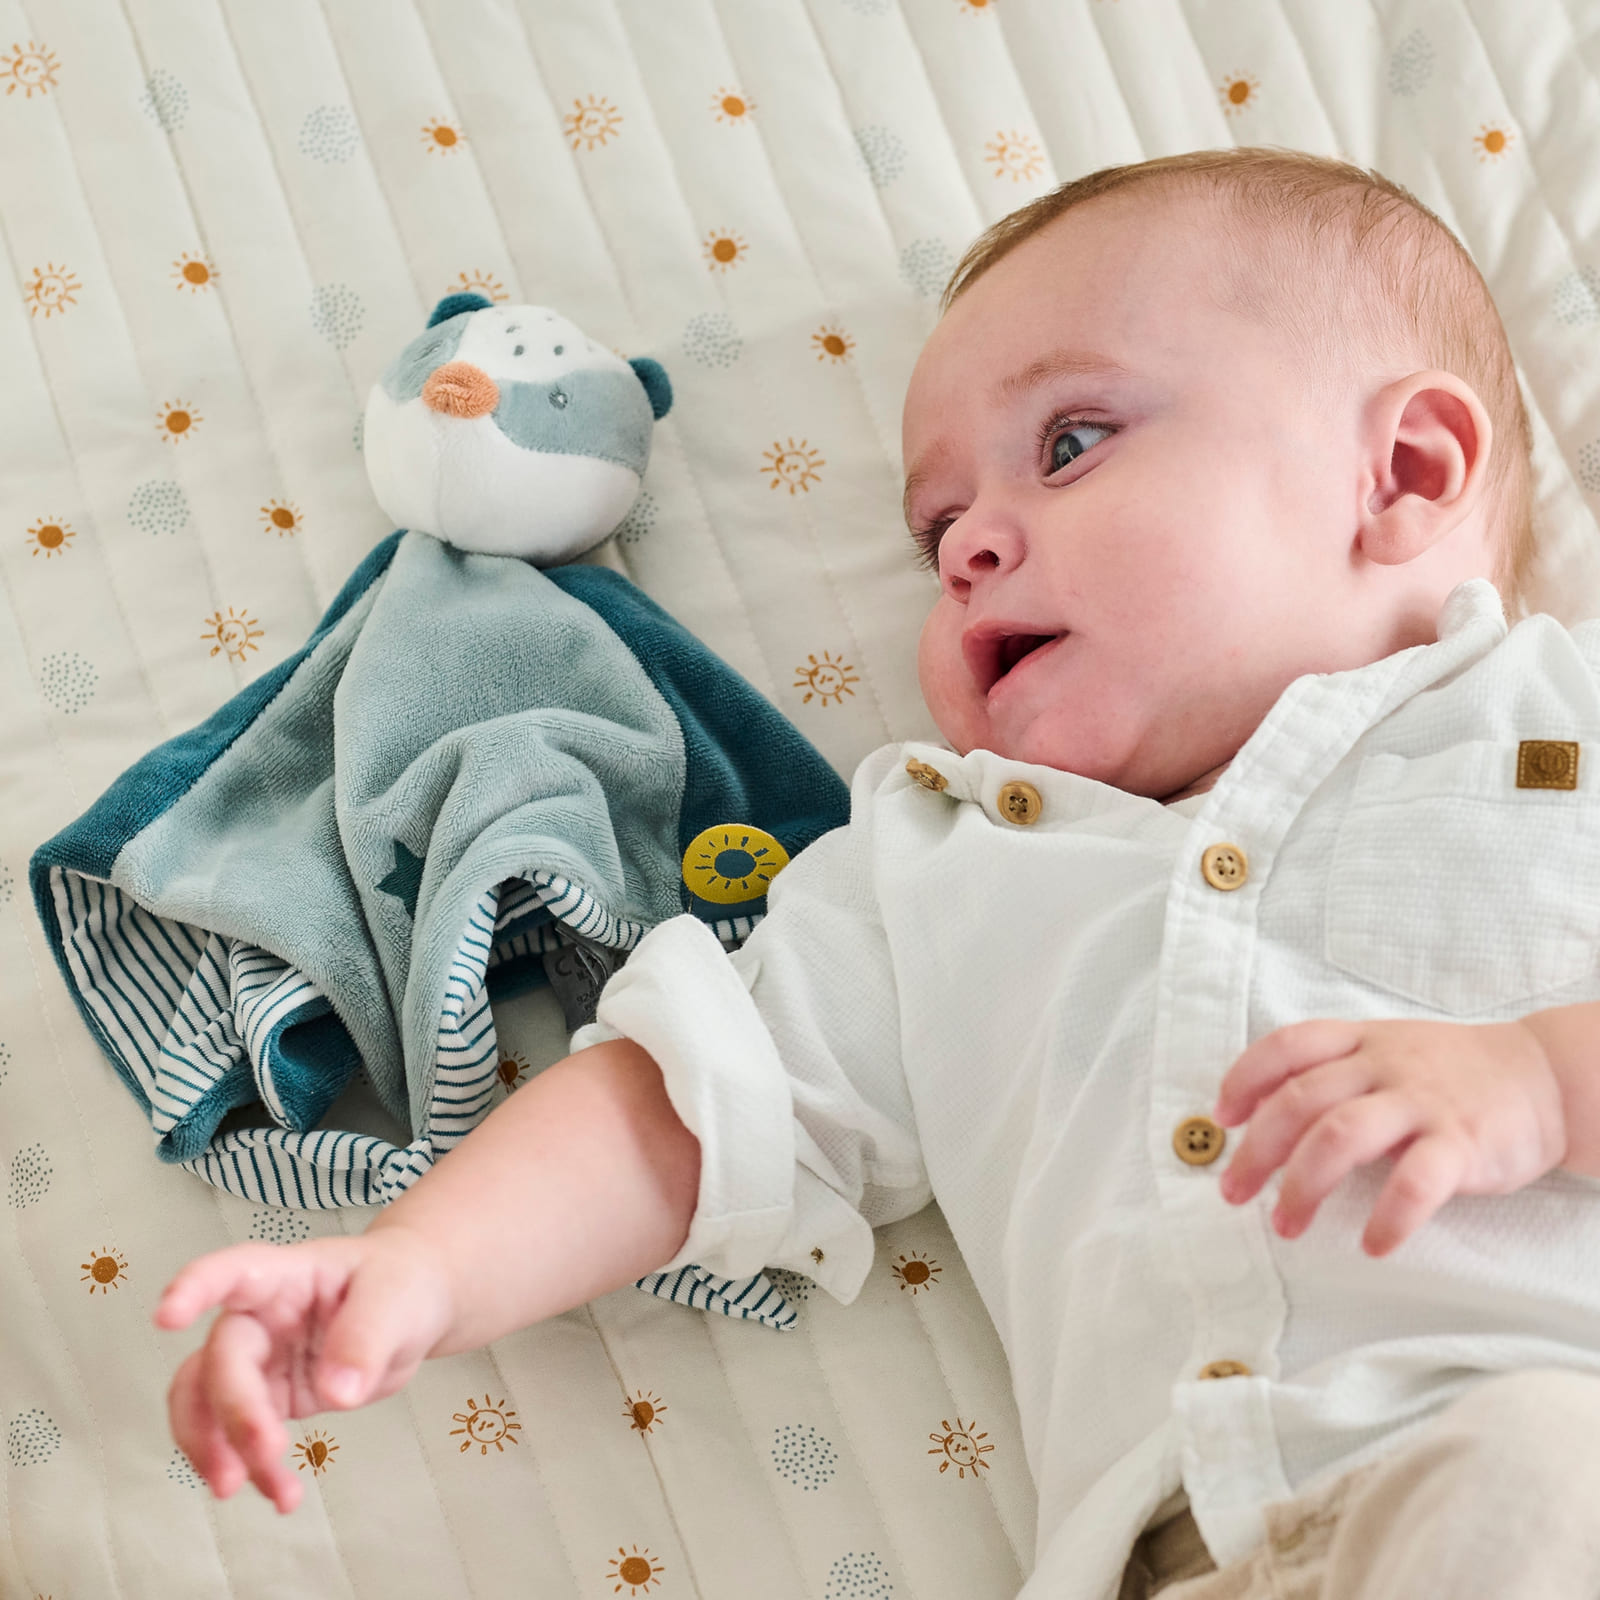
(470, 765)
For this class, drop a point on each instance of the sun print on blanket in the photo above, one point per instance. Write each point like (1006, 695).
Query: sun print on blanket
(832, 343)
(105, 1270)
(193, 273)
(793, 466)
(280, 517)
(30, 68)
(53, 290)
(828, 680)
(962, 1447)
(51, 536)
(643, 1412)
(728, 105)
(441, 137)
(489, 1424)
(484, 283)
(316, 1451)
(236, 634)
(511, 1072)
(1014, 155)
(591, 122)
(177, 419)
(724, 250)
(1492, 141)
(636, 1571)
(1239, 91)
(916, 1272)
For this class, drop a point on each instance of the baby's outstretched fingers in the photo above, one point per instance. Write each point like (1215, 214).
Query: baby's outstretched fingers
(237, 1383)
(199, 1433)
(242, 1277)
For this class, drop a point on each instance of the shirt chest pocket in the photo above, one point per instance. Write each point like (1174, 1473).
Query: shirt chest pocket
(1452, 886)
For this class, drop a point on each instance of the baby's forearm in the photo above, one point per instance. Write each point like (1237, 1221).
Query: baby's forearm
(1571, 1039)
(583, 1180)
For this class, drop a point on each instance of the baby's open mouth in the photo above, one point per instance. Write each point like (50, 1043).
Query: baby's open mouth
(993, 656)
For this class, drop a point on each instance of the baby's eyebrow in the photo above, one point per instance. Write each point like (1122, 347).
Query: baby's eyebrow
(1058, 364)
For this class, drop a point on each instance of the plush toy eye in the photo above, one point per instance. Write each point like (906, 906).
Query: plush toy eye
(558, 398)
(517, 351)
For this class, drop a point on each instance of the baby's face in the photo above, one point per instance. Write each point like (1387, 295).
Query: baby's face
(1147, 518)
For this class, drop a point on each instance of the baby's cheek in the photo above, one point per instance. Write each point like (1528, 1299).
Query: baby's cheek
(947, 686)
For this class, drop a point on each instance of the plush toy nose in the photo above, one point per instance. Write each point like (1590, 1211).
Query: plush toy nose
(459, 389)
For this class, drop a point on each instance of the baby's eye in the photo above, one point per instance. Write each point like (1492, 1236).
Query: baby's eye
(1070, 443)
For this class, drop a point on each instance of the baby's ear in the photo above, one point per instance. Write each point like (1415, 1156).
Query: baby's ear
(656, 384)
(1427, 439)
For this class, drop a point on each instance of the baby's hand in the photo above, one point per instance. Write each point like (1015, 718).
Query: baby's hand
(1467, 1109)
(325, 1325)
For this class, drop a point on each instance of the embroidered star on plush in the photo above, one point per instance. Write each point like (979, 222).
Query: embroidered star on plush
(405, 881)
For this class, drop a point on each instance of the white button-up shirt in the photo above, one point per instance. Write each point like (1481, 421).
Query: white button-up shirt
(1017, 1019)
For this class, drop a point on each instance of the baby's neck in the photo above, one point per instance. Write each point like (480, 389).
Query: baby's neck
(1199, 786)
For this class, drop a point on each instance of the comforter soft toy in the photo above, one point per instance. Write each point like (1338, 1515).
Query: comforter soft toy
(479, 774)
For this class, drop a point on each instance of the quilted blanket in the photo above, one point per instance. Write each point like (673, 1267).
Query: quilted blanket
(219, 219)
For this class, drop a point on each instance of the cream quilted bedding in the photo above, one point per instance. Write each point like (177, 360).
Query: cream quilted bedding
(218, 220)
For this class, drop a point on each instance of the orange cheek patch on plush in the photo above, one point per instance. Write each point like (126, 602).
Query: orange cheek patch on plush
(459, 389)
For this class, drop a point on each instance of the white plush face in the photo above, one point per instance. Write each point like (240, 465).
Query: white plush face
(507, 431)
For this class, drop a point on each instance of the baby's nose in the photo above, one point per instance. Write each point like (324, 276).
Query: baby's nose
(459, 389)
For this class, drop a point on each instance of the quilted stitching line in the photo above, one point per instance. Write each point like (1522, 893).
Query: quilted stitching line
(649, 1450)
(1446, 212)
(923, 1315)
(264, 431)
(846, 611)
(747, 1431)
(61, 1341)
(665, 435)
(226, 30)
(284, 192)
(1549, 210)
(829, 305)
(377, 175)
(178, 471)
(508, 1388)
(71, 457)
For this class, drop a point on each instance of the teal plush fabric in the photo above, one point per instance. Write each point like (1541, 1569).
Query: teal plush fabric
(471, 763)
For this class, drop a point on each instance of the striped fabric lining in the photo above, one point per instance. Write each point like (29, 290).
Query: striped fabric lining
(180, 1014)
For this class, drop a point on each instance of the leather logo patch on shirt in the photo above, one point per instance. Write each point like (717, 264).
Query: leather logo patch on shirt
(1547, 764)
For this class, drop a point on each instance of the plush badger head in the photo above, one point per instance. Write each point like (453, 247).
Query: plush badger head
(506, 430)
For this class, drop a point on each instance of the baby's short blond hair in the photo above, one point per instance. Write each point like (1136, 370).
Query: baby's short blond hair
(1357, 270)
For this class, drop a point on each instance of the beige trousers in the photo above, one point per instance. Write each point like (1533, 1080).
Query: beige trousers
(1498, 1498)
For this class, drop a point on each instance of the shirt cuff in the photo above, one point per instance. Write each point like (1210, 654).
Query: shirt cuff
(686, 1002)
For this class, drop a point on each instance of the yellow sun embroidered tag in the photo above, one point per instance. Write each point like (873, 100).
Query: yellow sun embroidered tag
(1547, 764)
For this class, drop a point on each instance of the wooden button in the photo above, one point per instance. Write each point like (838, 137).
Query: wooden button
(1019, 803)
(1547, 764)
(928, 777)
(1199, 1141)
(1224, 866)
(1224, 1369)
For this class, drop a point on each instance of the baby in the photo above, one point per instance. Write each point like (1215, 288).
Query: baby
(1255, 815)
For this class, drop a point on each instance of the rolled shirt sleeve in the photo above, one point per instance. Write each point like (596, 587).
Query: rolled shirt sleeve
(784, 1061)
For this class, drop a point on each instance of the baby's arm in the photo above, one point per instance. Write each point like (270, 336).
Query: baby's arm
(582, 1181)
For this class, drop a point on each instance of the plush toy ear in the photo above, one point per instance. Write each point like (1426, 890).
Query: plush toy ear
(454, 304)
(656, 384)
